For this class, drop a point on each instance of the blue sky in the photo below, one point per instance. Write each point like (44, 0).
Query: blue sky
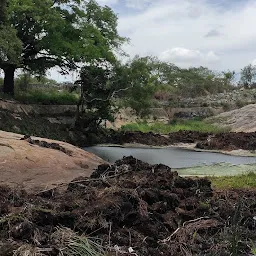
(219, 34)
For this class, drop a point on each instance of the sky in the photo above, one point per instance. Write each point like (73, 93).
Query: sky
(218, 34)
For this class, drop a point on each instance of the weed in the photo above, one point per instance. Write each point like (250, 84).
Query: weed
(72, 244)
(240, 103)
(226, 106)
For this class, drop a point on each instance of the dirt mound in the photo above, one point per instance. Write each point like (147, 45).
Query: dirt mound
(153, 139)
(223, 141)
(150, 138)
(188, 136)
(239, 120)
(135, 209)
(230, 141)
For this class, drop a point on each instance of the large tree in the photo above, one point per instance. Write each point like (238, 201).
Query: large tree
(55, 33)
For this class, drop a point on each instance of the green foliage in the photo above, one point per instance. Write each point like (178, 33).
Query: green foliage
(141, 83)
(248, 75)
(177, 125)
(57, 33)
(25, 81)
(47, 97)
(10, 47)
(95, 104)
(247, 180)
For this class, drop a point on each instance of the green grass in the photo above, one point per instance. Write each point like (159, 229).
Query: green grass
(180, 125)
(247, 180)
(45, 97)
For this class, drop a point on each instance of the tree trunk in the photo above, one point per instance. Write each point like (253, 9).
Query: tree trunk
(9, 80)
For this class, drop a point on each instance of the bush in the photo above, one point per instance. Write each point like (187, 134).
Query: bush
(240, 103)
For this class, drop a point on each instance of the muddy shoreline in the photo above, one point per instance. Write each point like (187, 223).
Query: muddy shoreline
(205, 141)
(186, 146)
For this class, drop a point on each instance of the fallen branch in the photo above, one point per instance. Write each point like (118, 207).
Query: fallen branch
(168, 239)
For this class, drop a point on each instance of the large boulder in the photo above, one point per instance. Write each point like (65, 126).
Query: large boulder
(36, 163)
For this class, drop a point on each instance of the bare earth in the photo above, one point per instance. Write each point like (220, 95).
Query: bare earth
(34, 167)
(239, 120)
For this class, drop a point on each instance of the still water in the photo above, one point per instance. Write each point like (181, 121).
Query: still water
(173, 157)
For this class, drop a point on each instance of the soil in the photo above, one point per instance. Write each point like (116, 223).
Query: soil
(230, 141)
(222, 141)
(132, 206)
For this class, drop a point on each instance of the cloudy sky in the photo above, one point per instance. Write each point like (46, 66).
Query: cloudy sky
(219, 34)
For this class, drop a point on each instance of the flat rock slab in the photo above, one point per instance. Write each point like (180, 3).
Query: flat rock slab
(35, 168)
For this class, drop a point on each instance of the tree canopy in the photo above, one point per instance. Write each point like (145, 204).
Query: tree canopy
(55, 33)
(248, 75)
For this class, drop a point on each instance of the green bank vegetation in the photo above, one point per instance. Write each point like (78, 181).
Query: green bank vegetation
(176, 125)
(243, 181)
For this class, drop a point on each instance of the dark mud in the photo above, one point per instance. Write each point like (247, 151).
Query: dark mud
(222, 141)
(230, 141)
(132, 204)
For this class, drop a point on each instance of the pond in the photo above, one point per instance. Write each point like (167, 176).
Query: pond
(171, 156)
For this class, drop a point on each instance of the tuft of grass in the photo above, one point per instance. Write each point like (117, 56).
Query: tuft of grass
(247, 180)
(72, 244)
(178, 125)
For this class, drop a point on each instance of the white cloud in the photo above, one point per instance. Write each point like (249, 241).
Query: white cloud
(180, 54)
(184, 56)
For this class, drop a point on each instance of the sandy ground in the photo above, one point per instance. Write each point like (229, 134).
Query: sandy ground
(35, 167)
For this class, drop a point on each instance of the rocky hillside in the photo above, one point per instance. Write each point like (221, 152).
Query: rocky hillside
(239, 120)
(229, 100)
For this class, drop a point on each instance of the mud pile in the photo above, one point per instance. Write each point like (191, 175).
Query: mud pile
(150, 138)
(222, 141)
(134, 209)
(153, 139)
(230, 141)
(188, 137)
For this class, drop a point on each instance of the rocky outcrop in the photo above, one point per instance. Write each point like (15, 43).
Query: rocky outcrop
(35, 163)
(239, 120)
(228, 100)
